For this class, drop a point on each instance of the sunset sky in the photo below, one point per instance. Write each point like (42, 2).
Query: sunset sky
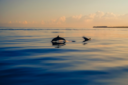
(63, 13)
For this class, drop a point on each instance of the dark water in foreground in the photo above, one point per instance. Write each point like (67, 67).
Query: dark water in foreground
(27, 57)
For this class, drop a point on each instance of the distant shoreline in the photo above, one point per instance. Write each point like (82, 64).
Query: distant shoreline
(110, 26)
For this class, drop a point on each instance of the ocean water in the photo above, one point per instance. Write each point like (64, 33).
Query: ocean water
(27, 56)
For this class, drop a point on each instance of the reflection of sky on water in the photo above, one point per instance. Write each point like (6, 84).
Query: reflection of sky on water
(103, 59)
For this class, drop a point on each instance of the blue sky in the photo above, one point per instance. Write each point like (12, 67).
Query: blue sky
(17, 12)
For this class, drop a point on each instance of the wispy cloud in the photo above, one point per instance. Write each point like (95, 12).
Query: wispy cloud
(25, 22)
(42, 22)
(10, 22)
(97, 18)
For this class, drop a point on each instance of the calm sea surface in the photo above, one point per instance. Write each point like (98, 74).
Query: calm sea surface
(27, 57)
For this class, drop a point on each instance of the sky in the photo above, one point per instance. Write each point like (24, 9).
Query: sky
(63, 13)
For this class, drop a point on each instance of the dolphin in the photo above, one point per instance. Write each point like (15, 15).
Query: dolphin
(86, 39)
(58, 40)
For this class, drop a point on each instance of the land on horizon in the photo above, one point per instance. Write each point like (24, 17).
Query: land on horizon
(110, 26)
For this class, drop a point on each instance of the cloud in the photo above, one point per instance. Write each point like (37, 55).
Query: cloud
(33, 22)
(42, 22)
(62, 19)
(10, 22)
(98, 18)
(19, 22)
(77, 17)
(99, 14)
(89, 20)
(58, 21)
(25, 22)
